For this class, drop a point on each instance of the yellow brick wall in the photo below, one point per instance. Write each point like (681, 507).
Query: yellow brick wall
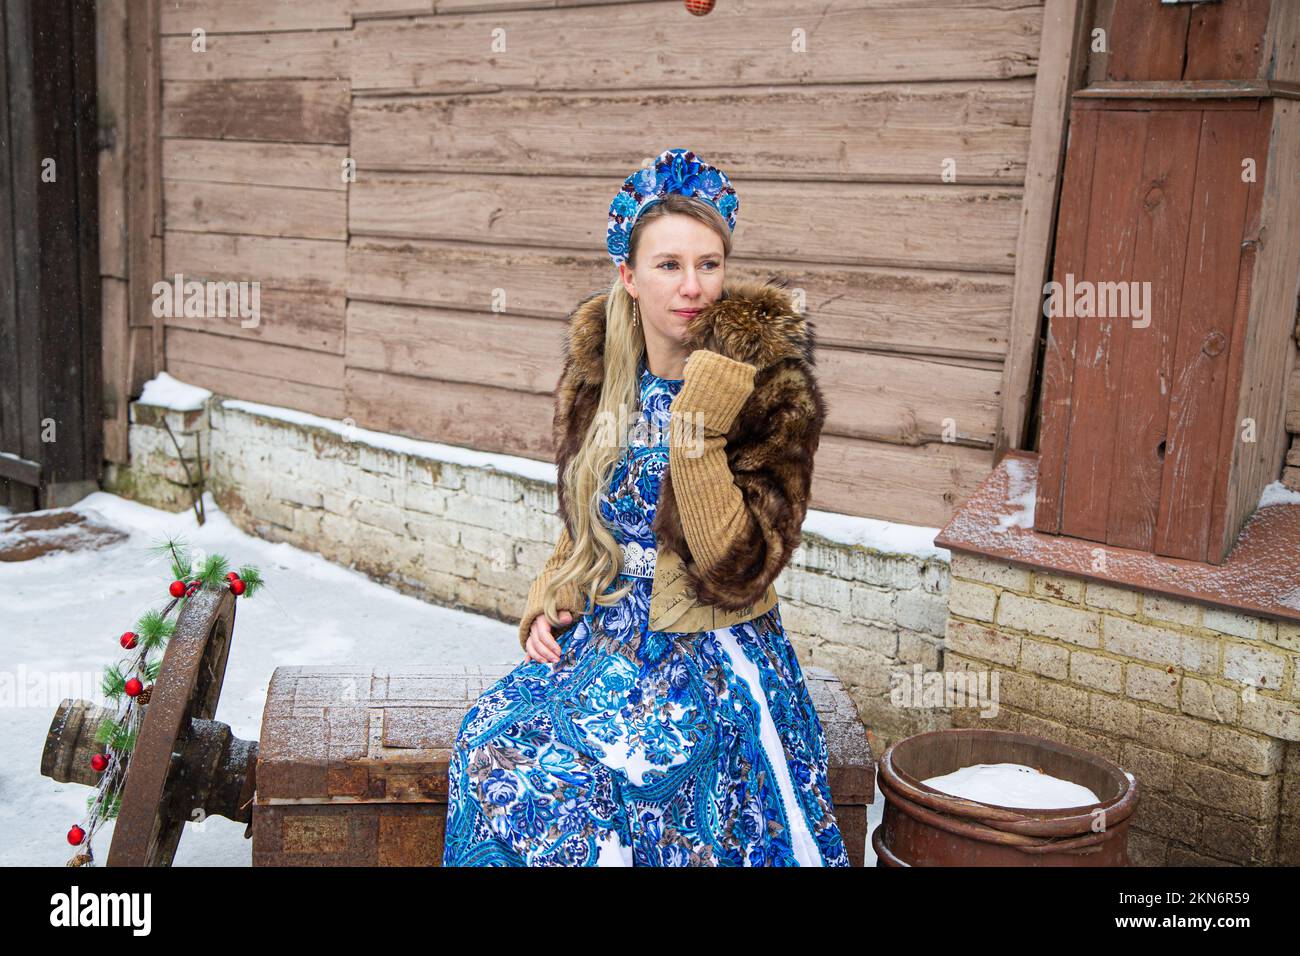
(1200, 704)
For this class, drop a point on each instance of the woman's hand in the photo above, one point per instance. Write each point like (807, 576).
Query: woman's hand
(714, 390)
(541, 645)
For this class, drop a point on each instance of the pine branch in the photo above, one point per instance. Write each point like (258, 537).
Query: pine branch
(252, 578)
(114, 684)
(153, 629)
(112, 806)
(175, 548)
(107, 731)
(212, 572)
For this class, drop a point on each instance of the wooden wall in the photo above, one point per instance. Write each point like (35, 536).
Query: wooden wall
(484, 176)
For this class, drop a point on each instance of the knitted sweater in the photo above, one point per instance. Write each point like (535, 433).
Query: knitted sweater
(712, 507)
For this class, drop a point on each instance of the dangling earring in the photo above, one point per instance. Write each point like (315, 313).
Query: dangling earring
(636, 313)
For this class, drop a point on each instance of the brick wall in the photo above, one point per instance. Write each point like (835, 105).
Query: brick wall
(156, 475)
(1198, 703)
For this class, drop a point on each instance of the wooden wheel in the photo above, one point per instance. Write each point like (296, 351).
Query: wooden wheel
(160, 789)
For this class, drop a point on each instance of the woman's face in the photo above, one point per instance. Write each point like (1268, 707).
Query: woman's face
(679, 266)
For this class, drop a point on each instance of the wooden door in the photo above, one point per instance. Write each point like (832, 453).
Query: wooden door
(1139, 410)
(50, 404)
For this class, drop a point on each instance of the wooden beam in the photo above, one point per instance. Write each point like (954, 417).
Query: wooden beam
(13, 214)
(144, 176)
(1190, 90)
(111, 64)
(854, 42)
(1061, 61)
(57, 348)
(85, 88)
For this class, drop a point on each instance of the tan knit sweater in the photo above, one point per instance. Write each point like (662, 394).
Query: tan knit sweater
(712, 508)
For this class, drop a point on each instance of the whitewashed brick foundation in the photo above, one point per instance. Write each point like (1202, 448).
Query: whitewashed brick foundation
(155, 475)
(1202, 705)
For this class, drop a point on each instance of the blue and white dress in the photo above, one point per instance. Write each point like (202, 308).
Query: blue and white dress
(643, 747)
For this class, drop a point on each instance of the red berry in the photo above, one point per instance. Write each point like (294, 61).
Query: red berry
(76, 835)
(128, 640)
(232, 576)
(237, 586)
(194, 586)
(133, 687)
(177, 588)
(99, 762)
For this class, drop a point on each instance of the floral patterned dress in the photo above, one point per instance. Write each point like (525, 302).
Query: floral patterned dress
(642, 747)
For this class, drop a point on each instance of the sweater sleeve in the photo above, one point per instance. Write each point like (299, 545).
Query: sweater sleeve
(712, 508)
(567, 597)
(743, 524)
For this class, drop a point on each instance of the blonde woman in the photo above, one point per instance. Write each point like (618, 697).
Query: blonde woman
(660, 717)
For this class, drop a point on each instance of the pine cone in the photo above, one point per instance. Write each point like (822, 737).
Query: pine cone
(144, 695)
(81, 859)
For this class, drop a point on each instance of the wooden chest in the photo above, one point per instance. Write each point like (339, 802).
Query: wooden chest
(352, 767)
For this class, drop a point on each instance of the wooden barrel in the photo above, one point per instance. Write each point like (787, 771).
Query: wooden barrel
(923, 826)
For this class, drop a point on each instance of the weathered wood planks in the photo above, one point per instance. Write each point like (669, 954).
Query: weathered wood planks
(840, 154)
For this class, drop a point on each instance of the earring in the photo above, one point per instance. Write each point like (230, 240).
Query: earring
(636, 313)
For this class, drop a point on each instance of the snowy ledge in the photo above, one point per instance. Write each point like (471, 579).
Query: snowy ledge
(1261, 575)
(884, 536)
(167, 392)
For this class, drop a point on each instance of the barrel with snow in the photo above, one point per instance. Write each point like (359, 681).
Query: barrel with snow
(968, 797)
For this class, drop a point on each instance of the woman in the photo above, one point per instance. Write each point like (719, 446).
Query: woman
(669, 723)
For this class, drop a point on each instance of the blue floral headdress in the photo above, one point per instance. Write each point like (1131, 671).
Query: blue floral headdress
(674, 171)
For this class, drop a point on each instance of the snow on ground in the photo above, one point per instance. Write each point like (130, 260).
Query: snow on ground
(64, 612)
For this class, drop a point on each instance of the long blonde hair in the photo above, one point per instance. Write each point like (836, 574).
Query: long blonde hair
(597, 558)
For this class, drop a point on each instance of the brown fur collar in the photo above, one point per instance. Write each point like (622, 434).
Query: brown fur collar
(770, 447)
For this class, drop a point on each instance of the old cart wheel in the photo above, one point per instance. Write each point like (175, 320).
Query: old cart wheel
(158, 794)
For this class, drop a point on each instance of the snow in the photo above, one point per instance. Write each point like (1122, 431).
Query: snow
(64, 612)
(172, 393)
(526, 467)
(1013, 785)
(1276, 493)
(886, 536)
(1022, 491)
